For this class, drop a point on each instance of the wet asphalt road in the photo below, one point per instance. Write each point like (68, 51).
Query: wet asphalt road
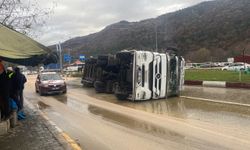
(101, 122)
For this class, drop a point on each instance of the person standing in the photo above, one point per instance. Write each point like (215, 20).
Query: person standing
(20, 80)
(4, 92)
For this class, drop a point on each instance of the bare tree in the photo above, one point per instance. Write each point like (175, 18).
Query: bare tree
(23, 15)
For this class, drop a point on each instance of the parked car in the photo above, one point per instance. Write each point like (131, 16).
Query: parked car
(50, 83)
(236, 67)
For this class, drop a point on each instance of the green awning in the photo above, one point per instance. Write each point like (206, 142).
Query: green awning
(19, 48)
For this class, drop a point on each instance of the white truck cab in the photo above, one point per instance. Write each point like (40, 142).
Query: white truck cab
(141, 75)
(159, 75)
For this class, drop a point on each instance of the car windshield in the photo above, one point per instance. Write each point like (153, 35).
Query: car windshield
(45, 77)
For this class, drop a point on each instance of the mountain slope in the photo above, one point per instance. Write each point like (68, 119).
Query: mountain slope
(212, 30)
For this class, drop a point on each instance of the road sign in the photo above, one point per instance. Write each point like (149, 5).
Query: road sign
(82, 57)
(67, 57)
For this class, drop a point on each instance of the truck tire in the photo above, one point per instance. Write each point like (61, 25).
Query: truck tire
(87, 84)
(100, 87)
(122, 96)
(124, 56)
(109, 87)
(102, 62)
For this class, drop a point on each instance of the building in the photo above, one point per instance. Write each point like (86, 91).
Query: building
(242, 58)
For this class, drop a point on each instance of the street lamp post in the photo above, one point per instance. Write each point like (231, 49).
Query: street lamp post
(156, 38)
(244, 59)
(59, 48)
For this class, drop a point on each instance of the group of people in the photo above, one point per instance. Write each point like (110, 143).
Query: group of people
(11, 90)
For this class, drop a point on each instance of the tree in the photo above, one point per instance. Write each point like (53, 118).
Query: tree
(200, 55)
(23, 15)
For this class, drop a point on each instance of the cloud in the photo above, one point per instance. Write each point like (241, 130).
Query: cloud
(73, 18)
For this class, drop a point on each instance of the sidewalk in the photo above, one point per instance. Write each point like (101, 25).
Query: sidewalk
(33, 133)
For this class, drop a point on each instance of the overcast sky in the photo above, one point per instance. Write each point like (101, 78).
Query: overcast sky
(73, 18)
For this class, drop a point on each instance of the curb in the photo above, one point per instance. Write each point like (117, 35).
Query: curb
(66, 141)
(4, 127)
(222, 84)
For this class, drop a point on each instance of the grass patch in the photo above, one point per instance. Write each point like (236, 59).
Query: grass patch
(215, 75)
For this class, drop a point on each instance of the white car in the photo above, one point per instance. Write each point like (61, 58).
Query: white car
(236, 67)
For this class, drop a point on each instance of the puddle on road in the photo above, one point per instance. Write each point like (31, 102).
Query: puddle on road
(61, 98)
(150, 128)
(42, 105)
(72, 103)
(215, 113)
(133, 123)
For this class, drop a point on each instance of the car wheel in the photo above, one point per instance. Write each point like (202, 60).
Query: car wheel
(40, 92)
(36, 90)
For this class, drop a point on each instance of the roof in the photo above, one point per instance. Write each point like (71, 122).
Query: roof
(18, 48)
(78, 62)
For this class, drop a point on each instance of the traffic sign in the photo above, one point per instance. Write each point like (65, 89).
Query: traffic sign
(67, 57)
(82, 57)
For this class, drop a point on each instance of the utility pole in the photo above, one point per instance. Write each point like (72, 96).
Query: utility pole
(156, 38)
(244, 59)
(69, 56)
(60, 51)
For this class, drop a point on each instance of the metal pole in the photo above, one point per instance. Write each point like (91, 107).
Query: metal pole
(240, 75)
(69, 56)
(60, 50)
(244, 59)
(156, 38)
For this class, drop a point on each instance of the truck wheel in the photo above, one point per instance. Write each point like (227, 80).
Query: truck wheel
(102, 62)
(100, 87)
(122, 96)
(109, 86)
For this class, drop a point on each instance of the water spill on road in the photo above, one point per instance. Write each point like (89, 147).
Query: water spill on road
(215, 113)
(188, 109)
(62, 98)
(42, 105)
(149, 128)
(72, 103)
(133, 123)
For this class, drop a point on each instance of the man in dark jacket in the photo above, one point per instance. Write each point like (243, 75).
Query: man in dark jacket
(4, 92)
(20, 81)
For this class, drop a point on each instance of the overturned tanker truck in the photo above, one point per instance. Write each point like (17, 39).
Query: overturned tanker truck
(136, 75)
